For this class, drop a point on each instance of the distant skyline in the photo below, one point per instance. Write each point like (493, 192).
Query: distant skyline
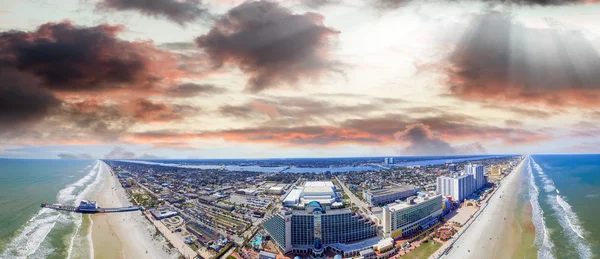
(298, 78)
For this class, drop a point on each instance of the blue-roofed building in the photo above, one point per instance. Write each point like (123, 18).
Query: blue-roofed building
(315, 228)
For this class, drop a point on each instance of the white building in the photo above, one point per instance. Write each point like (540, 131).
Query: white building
(461, 186)
(477, 171)
(322, 192)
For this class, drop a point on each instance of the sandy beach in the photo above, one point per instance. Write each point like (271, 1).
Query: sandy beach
(126, 234)
(495, 233)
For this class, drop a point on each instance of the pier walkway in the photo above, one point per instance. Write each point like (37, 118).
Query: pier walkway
(96, 210)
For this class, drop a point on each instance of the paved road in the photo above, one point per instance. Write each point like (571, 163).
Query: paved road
(355, 200)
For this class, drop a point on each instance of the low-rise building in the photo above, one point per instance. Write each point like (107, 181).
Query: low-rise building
(163, 213)
(378, 197)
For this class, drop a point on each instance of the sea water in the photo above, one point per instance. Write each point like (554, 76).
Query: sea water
(568, 190)
(28, 231)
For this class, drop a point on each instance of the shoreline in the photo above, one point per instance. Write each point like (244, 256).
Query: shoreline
(124, 234)
(495, 231)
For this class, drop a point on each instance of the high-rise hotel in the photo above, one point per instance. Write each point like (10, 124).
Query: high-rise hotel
(315, 224)
(312, 222)
(461, 186)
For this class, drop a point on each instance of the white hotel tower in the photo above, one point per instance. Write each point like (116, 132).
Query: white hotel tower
(461, 186)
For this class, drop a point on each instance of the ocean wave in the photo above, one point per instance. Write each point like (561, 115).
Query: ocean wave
(542, 239)
(548, 183)
(570, 224)
(78, 218)
(537, 167)
(68, 195)
(34, 233)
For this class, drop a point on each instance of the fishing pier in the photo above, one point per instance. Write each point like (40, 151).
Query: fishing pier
(88, 207)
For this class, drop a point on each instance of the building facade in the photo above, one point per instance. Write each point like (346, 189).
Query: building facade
(388, 195)
(313, 229)
(461, 186)
(416, 214)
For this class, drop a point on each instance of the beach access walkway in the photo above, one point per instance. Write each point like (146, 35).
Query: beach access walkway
(177, 242)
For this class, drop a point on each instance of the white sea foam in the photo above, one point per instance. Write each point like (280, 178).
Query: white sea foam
(548, 183)
(542, 240)
(570, 224)
(35, 231)
(78, 218)
(31, 236)
(570, 216)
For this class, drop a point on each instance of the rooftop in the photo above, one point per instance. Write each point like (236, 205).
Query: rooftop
(391, 190)
(403, 205)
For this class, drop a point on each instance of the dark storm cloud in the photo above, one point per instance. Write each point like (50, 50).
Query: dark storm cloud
(191, 90)
(179, 11)
(270, 44)
(21, 101)
(74, 156)
(501, 61)
(73, 58)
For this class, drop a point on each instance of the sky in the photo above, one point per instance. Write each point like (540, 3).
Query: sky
(152, 79)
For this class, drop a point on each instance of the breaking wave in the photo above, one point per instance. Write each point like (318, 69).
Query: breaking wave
(31, 240)
(542, 240)
(570, 224)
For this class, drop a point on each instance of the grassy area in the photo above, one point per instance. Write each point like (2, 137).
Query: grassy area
(423, 251)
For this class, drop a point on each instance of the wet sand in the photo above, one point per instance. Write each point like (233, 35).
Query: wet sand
(124, 234)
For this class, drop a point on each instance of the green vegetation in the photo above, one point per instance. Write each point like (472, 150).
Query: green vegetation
(231, 257)
(423, 251)
(346, 197)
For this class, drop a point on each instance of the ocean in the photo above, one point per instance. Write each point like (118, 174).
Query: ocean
(26, 230)
(565, 199)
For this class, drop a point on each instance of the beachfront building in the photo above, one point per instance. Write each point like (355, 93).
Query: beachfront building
(416, 214)
(495, 170)
(308, 226)
(477, 172)
(379, 197)
(457, 186)
(163, 213)
(461, 186)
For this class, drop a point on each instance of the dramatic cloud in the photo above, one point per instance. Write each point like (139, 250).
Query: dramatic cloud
(179, 11)
(149, 111)
(271, 44)
(191, 90)
(420, 140)
(119, 153)
(73, 58)
(501, 61)
(372, 131)
(21, 101)
(74, 156)
(76, 82)
(300, 110)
